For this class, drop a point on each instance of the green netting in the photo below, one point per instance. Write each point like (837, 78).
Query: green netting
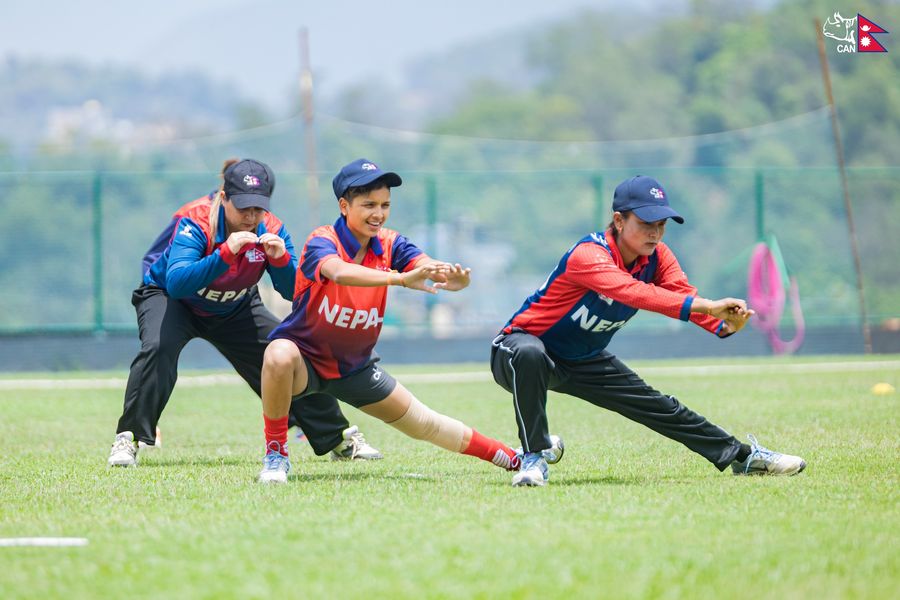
(508, 209)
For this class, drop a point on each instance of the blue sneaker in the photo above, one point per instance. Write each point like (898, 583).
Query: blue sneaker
(534, 470)
(276, 465)
(763, 461)
(553, 454)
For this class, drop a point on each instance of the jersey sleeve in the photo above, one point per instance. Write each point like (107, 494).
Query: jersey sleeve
(283, 275)
(315, 252)
(669, 275)
(190, 268)
(404, 254)
(592, 267)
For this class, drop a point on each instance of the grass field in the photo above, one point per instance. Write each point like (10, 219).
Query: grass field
(627, 513)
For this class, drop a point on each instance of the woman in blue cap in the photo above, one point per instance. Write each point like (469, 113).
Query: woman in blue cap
(557, 339)
(327, 342)
(199, 281)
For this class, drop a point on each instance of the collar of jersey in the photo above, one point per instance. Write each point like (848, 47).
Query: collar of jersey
(351, 246)
(639, 263)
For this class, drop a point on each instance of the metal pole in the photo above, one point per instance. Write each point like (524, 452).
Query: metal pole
(839, 148)
(97, 208)
(309, 135)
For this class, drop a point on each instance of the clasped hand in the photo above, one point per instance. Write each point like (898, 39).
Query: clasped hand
(241, 241)
(733, 311)
(446, 276)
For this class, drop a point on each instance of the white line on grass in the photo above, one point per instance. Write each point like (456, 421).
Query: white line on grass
(470, 376)
(43, 541)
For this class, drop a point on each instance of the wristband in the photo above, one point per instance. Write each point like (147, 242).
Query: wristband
(282, 261)
(226, 254)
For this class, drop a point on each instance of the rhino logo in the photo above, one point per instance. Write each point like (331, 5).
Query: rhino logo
(838, 28)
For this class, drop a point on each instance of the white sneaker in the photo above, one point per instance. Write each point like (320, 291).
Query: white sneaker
(156, 444)
(763, 461)
(553, 454)
(354, 447)
(276, 465)
(124, 451)
(533, 472)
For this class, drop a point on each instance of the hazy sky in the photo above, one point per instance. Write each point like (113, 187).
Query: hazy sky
(255, 43)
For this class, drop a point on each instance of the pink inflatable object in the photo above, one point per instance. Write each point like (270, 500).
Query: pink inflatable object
(766, 295)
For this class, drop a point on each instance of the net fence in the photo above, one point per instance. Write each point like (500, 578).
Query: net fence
(507, 209)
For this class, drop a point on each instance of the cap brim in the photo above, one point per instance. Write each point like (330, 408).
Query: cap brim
(250, 200)
(391, 179)
(651, 214)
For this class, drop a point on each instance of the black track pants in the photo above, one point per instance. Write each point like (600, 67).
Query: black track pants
(167, 325)
(521, 365)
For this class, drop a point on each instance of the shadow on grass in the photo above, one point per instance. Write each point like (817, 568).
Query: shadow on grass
(602, 480)
(201, 461)
(610, 480)
(360, 476)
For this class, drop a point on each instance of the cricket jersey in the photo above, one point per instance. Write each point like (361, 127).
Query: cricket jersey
(592, 294)
(336, 326)
(203, 273)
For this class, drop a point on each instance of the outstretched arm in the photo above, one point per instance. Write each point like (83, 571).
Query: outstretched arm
(728, 315)
(351, 274)
(452, 277)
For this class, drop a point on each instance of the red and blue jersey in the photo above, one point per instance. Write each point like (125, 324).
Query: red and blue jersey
(591, 294)
(202, 272)
(336, 326)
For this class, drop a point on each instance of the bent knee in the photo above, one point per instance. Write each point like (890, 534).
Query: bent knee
(281, 355)
(529, 355)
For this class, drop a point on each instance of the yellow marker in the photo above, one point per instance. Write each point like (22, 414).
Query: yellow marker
(882, 389)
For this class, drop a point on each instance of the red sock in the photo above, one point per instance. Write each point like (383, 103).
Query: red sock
(492, 451)
(276, 431)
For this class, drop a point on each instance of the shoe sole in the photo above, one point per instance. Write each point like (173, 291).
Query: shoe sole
(337, 457)
(268, 480)
(128, 465)
(562, 450)
(761, 473)
(528, 482)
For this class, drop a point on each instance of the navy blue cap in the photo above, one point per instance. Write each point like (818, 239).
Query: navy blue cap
(646, 198)
(249, 183)
(359, 173)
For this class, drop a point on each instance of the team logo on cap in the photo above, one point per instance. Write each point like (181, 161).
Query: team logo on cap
(251, 180)
(369, 167)
(657, 193)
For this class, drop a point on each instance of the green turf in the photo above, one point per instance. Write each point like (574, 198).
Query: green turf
(627, 513)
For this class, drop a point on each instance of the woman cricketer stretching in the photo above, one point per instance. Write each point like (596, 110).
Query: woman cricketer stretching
(199, 281)
(326, 343)
(557, 340)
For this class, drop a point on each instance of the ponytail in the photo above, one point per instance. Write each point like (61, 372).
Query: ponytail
(612, 224)
(217, 201)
